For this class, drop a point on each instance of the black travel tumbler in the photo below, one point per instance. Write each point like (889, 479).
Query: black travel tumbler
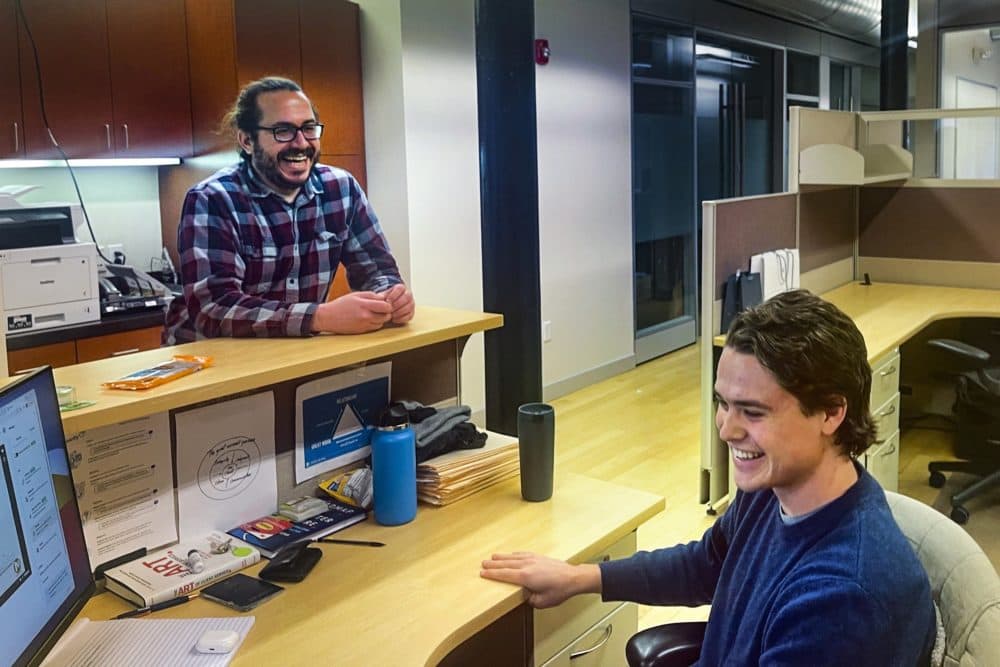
(536, 424)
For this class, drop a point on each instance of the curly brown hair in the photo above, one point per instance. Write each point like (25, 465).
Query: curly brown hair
(816, 353)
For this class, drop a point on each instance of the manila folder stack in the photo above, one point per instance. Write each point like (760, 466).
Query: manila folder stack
(444, 479)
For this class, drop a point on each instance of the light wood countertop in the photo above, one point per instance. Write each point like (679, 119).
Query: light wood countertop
(412, 601)
(888, 314)
(245, 364)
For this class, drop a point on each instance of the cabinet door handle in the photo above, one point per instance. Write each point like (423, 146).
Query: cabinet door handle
(17, 139)
(121, 353)
(888, 411)
(599, 644)
(107, 134)
(125, 128)
(888, 371)
(891, 450)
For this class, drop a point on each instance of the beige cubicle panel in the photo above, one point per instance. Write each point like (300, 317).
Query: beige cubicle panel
(932, 233)
(732, 231)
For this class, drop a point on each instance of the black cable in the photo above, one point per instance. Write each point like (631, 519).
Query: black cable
(48, 128)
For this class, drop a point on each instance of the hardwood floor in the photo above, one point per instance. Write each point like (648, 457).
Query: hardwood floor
(641, 429)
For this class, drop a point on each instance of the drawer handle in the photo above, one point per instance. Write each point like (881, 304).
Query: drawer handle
(120, 353)
(891, 450)
(888, 371)
(588, 651)
(888, 411)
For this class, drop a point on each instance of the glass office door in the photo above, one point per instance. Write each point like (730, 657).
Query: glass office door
(664, 207)
(740, 118)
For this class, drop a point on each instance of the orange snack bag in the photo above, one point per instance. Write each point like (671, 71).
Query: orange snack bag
(147, 378)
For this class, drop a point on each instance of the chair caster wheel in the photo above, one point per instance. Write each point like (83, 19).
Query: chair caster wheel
(937, 480)
(959, 515)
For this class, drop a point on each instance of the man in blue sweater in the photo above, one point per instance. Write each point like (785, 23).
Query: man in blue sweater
(807, 565)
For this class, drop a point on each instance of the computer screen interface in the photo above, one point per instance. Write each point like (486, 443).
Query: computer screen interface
(44, 570)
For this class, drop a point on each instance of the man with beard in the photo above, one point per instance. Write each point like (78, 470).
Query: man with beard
(260, 242)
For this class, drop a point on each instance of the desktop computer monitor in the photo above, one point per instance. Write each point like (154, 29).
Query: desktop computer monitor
(44, 571)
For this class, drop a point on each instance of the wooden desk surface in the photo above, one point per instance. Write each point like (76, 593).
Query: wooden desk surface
(888, 314)
(412, 601)
(250, 363)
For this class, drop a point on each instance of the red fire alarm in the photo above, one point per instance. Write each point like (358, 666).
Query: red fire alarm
(542, 52)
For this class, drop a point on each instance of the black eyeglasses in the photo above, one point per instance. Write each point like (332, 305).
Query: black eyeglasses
(286, 133)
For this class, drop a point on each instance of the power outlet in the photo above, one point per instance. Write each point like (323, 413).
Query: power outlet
(547, 331)
(110, 249)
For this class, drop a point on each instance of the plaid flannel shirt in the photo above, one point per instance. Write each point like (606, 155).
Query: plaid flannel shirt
(252, 264)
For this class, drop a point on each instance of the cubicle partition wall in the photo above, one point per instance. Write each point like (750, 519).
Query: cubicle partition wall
(732, 231)
(827, 237)
(931, 234)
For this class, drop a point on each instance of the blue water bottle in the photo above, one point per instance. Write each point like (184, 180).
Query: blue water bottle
(394, 468)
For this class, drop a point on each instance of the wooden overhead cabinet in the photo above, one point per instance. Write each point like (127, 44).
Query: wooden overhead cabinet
(234, 42)
(11, 121)
(114, 77)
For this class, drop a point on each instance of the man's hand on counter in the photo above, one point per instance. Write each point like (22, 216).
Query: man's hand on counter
(400, 298)
(353, 313)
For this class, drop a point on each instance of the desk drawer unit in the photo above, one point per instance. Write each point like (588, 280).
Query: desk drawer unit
(885, 378)
(571, 624)
(603, 645)
(882, 461)
(882, 458)
(886, 419)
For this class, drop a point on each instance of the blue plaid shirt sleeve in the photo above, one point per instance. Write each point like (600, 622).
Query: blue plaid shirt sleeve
(213, 270)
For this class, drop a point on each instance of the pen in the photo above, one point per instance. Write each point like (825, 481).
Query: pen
(360, 543)
(166, 604)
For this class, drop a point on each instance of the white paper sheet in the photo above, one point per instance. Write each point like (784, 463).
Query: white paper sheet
(124, 486)
(150, 642)
(334, 417)
(225, 464)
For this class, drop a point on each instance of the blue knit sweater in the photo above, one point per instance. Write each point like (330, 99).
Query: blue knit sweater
(841, 587)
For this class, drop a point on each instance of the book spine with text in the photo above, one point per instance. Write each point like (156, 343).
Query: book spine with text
(163, 575)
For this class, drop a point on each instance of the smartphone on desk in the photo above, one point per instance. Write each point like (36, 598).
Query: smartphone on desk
(241, 592)
(291, 563)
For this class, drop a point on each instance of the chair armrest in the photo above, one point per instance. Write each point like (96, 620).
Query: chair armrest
(670, 645)
(964, 350)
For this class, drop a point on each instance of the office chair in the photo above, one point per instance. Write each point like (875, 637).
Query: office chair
(964, 585)
(977, 408)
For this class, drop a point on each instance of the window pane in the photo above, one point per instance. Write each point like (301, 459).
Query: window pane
(664, 203)
(803, 74)
(661, 51)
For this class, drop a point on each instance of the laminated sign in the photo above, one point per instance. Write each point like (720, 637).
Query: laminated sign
(334, 418)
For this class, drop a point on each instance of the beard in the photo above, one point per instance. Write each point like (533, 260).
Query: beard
(267, 167)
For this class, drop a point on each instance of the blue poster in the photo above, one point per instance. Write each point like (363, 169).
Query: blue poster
(336, 416)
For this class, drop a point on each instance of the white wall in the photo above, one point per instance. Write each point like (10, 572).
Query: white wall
(385, 145)
(584, 171)
(123, 203)
(966, 159)
(583, 98)
(422, 143)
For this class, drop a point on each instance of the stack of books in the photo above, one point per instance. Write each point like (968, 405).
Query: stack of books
(455, 475)
(178, 570)
(272, 532)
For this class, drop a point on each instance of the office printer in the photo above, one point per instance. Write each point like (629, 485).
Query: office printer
(48, 278)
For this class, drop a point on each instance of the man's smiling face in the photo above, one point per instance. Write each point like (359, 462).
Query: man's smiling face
(774, 445)
(284, 167)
